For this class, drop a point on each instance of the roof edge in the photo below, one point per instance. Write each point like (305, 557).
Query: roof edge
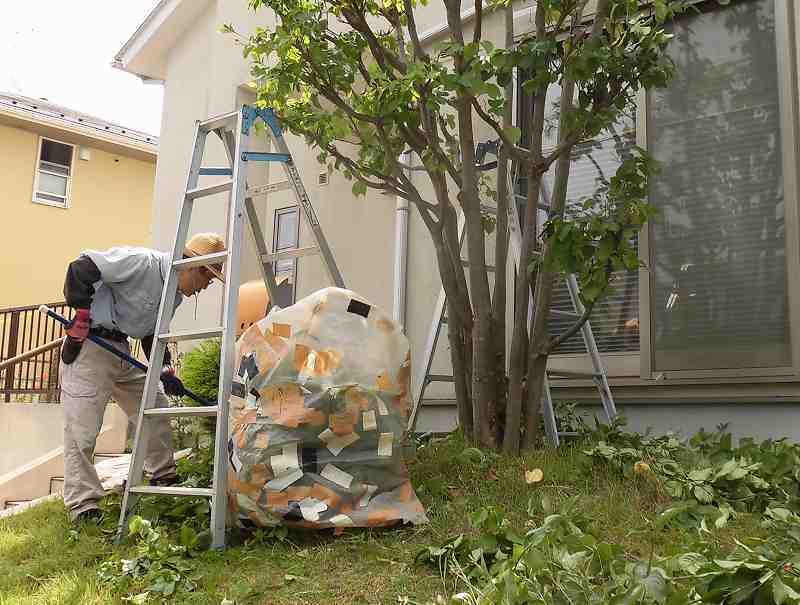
(143, 34)
(41, 113)
(144, 53)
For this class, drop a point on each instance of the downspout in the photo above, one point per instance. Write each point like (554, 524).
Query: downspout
(401, 255)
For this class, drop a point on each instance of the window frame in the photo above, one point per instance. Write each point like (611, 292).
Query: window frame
(37, 171)
(787, 99)
(277, 214)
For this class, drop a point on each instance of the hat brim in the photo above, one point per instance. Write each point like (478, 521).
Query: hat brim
(209, 268)
(215, 273)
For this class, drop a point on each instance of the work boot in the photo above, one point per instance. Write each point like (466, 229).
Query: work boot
(168, 481)
(90, 515)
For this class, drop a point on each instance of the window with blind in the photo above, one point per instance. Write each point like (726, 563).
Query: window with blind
(615, 319)
(719, 280)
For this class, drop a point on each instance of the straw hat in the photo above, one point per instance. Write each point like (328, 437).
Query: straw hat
(206, 243)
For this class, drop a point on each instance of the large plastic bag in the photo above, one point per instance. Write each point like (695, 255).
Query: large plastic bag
(319, 411)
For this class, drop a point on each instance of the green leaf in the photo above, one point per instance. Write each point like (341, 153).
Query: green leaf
(704, 494)
(727, 565)
(783, 593)
(513, 134)
(189, 537)
(359, 188)
(701, 475)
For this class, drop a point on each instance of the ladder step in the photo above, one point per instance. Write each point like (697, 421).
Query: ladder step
(256, 156)
(172, 491)
(196, 261)
(271, 188)
(194, 194)
(440, 378)
(571, 374)
(489, 268)
(228, 119)
(210, 410)
(289, 254)
(191, 335)
(13, 503)
(524, 199)
(216, 172)
(564, 313)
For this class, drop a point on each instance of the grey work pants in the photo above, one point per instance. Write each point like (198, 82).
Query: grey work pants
(87, 384)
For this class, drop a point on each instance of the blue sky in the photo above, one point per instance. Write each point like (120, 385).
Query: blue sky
(62, 51)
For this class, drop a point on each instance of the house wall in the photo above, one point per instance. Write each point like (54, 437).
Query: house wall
(110, 205)
(359, 231)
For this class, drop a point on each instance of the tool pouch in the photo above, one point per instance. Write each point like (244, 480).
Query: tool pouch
(70, 350)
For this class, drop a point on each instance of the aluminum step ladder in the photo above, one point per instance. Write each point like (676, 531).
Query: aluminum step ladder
(234, 131)
(597, 375)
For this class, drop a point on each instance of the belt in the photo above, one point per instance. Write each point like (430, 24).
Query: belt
(107, 334)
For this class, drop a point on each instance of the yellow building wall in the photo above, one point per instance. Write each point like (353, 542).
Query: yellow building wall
(110, 205)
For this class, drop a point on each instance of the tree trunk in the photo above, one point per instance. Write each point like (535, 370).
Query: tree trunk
(483, 382)
(519, 342)
(522, 288)
(501, 246)
(459, 318)
(461, 375)
(540, 332)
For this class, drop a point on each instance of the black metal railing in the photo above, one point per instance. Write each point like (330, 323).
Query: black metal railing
(23, 329)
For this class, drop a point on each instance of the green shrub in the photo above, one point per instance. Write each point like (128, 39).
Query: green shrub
(200, 369)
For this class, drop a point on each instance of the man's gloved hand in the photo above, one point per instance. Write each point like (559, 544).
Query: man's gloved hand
(77, 331)
(78, 327)
(172, 384)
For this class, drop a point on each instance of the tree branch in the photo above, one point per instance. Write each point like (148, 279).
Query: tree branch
(557, 341)
(334, 97)
(453, 10)
(385, 58)
(519, 153)
(411, 25)
(477, 31)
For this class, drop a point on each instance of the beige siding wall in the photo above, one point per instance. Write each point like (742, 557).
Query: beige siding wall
(110, 205)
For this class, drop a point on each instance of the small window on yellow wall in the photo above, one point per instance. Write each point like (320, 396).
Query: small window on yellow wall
(53, 173)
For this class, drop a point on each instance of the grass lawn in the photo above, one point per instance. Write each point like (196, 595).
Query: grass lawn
(43, 561)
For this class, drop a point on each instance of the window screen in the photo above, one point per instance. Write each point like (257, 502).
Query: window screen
(719, 288)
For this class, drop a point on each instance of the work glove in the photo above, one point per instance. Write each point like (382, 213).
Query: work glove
(70, 350)
(77, 331)
(78, 327)
(172, 384)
